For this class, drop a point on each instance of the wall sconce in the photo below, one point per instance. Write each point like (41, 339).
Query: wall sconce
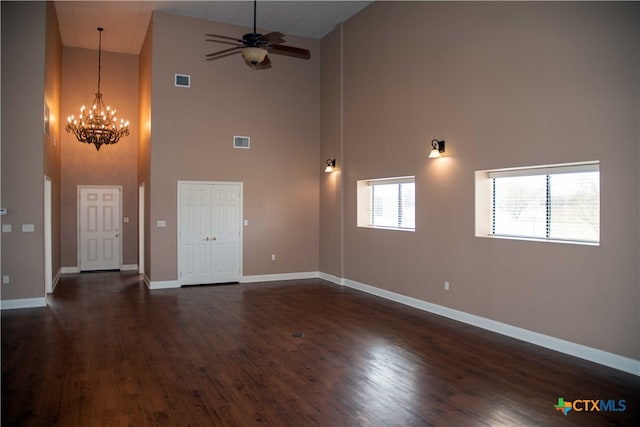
(331, 165)
(437, 148)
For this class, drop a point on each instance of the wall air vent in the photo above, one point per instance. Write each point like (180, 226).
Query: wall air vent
(241, 142)
(183, 80)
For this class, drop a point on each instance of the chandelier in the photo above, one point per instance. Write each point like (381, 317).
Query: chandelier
(99, 125)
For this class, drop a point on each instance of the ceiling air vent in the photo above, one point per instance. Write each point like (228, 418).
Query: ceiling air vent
(183, 80)
(241, 142)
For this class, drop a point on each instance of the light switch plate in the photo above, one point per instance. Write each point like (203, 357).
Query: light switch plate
(28, 228)
(6, 228)
(161, 223)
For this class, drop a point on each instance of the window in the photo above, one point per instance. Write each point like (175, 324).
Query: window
(387, 203)
(559, 203)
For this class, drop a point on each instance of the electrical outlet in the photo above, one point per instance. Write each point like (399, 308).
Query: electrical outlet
(273, 257)
(5, 279)
(446, 286)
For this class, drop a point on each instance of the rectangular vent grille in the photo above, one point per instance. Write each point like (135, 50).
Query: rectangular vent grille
(183, 80)
(241, 142)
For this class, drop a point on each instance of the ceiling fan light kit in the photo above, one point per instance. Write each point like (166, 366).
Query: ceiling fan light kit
(255, 47)
(254, 55)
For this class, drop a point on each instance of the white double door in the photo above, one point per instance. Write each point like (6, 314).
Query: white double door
(209, 233)
(99, 240)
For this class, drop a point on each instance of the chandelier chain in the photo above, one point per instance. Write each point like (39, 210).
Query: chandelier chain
(100, 29)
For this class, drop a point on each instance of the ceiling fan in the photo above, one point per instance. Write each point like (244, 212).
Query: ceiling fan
(255, 47)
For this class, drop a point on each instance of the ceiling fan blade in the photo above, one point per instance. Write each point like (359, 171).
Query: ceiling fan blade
(223, 55)
(295, 52)
(224, 37)
(274, 37)
(223, 52)
(224, 42)
(266, 63)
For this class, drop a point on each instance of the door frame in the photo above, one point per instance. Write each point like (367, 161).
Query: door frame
(240, 185)
(48, 246)
(79, 208)
(141, 196)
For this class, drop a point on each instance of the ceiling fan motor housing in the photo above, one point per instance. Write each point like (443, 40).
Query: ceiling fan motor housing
(254, 40)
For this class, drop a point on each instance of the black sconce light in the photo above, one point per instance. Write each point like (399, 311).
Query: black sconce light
(331, 165)
(437, 149)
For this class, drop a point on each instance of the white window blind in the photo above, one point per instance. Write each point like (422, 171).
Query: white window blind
(554, 203)
(392, 203)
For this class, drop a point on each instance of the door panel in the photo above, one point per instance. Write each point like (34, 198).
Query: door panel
(209, 233)
(195, 205)
(99, 236)
(226, 232)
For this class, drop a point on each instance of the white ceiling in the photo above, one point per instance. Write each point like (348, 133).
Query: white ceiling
(125, 22)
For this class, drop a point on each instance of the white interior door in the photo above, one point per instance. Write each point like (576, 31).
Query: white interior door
(209, 232)
(99, 229)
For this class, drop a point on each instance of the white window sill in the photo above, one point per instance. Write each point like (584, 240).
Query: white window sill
(533, 239)
(376, 227)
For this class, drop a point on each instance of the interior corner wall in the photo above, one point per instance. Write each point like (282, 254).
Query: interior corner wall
(144, 137)
(506, 84)
(192, 130)
(114, 164)
(331, 148)
(51, 141)
(23, 38)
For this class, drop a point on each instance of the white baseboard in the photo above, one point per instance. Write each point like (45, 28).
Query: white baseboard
(605, 358)
(161, 284)
(281, 276)
(129, 267)
(11, 304)
(591, 354)
(331, 278)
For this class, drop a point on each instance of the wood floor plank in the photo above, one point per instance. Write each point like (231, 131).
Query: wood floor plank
(109, 352)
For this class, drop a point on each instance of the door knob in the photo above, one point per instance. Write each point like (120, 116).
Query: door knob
(214, 238)
(206, 238)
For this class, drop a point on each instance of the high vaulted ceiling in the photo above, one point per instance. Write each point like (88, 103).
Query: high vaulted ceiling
(125, 22)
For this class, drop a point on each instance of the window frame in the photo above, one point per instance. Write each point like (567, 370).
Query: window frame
(485, 185)
(365, 189)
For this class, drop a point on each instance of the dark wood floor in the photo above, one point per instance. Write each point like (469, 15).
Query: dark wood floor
(108, 352)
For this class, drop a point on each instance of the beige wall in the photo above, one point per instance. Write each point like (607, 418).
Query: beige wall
(23, 37)
(505, 84)
(191, 139)
(114, 164)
